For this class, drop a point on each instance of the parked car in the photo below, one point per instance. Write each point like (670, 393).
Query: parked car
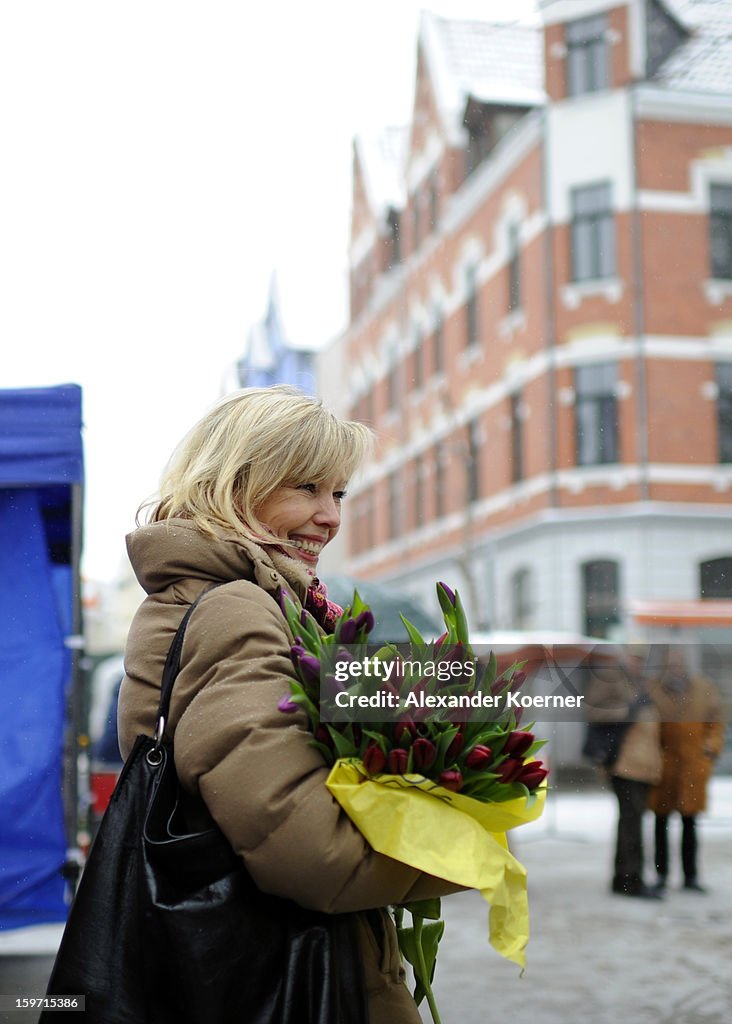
(105, 760)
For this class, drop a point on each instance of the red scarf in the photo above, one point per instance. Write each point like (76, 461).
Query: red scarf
(324, 612)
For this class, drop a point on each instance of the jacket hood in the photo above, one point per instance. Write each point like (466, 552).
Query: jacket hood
(163, 554)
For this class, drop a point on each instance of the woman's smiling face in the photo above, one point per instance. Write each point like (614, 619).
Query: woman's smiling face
(308, 515)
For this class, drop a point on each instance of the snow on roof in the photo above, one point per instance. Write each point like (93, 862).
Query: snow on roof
(704, 62)
(494, 62)
(382, 162)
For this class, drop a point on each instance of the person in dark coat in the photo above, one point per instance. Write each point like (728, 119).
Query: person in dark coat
(617, 702)
(692, 737)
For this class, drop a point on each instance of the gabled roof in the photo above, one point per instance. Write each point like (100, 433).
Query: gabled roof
(382, 164)
(704, 62)
(493, 62)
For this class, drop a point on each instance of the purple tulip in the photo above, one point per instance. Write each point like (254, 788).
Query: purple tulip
(330, 687)
(449, 592)
(365, 621)
(309, 667)
(287, 706)
(347, 632)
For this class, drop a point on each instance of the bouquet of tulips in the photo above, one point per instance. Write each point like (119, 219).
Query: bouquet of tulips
(483, 770)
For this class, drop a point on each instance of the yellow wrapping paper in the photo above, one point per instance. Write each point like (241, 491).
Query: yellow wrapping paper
(414, 821)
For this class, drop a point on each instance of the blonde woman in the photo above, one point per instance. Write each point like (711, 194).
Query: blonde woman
(249, 500)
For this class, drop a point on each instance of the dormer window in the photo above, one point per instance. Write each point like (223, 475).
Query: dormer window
(588, 55)
(487, 123)
(395, 243)
(664, 34)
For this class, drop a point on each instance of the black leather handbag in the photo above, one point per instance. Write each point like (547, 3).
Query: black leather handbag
(603, 741)
(167, 927)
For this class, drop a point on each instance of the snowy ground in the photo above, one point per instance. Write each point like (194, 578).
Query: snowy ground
(593, 958)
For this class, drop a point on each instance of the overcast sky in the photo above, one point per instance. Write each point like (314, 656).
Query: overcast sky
(160, 160)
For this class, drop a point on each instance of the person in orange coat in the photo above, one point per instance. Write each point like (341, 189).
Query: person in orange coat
(692, 737)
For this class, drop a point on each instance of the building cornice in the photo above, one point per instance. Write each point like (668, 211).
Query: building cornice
(658, 104)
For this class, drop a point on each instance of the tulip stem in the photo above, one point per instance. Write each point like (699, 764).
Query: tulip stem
(417, 923)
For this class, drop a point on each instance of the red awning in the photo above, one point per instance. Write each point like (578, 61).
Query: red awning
(682, 613)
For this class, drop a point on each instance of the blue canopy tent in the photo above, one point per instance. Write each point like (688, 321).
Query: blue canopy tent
(41, 479)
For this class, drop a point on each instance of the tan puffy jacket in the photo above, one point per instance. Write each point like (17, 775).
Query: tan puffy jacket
(253, 765)
(610, 698)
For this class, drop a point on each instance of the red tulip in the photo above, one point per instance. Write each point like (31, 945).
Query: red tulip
(440, 641)
(455, 747)
(373, 759)
(451, 780)
(404, 726)
(322, 735)
(397, 761)
(423, 753)
(518, 743)
(532, 775)
(479, 757)
(509, 769)
(517, 679)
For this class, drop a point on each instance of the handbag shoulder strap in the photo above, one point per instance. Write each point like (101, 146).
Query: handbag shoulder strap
(172, 667)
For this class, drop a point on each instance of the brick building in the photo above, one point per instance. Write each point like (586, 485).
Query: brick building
(541, 316)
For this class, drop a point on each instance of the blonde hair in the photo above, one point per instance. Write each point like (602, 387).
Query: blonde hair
(249, 444)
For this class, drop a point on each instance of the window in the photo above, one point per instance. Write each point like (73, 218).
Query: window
(521, 604)
(395, 254)
(438, 343)
(720, 231)
(514, 269)
(592, 233)
(596, 414)
(472, 467)
(600, 588)
(439, 455)
(471, 308)
(663, 36)
(724, 411)
(715, 578)
(588, 56)
(517, 439)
